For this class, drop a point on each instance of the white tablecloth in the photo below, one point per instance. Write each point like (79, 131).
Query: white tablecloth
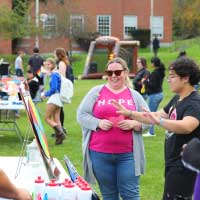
(28, 172)
(11, 105)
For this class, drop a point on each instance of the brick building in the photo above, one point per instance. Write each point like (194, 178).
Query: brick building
(108, 17)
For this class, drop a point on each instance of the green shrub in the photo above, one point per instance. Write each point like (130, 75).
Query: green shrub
(84, 39)
(143, 35)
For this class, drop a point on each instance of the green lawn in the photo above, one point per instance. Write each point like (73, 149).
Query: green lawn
(152, 181)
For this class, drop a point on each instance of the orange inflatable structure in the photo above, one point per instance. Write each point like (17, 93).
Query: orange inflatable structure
(115, 48)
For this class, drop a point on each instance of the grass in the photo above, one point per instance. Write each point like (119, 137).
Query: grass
(152, 181)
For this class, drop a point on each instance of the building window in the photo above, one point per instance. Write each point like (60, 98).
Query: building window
(130, 22)
(76, 24)
(49, 26)
(157, 26)
(104, 24)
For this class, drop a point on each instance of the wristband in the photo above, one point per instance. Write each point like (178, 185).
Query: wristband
(161, 122)
(130, 113)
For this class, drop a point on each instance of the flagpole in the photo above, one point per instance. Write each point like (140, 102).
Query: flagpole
(151, 24)
(37, 22)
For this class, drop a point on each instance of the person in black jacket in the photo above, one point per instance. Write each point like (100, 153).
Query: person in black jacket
(155, 91)
(141, 77)
(156, 45)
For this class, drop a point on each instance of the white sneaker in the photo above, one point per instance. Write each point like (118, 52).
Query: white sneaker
(148, 135)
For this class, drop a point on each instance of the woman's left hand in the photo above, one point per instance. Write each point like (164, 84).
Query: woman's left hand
(129, 125)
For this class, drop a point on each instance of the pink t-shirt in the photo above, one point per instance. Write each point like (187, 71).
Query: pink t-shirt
(114, 140)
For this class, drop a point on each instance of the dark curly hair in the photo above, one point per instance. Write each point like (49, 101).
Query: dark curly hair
(184, 67)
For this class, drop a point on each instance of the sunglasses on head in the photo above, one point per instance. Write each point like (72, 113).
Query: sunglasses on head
(116, 72)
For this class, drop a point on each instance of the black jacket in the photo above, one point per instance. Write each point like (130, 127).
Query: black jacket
(142, 74)
(156, 80)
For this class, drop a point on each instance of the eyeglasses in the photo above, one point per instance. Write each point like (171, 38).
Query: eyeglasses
(116, 72)
(171, 77)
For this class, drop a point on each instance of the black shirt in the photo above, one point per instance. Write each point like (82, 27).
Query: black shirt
(156, 80)
(33, 87)
(142, 74)
(35, 62)
(156, 43)
(177, 110)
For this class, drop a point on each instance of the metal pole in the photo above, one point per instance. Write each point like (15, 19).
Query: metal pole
(37, 22)
(151, 24)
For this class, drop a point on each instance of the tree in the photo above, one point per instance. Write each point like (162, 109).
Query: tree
(186, 18)
(14, 22)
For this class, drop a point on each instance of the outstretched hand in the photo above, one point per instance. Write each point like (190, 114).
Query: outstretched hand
(153, 118)
(146, 116)
(120, 108)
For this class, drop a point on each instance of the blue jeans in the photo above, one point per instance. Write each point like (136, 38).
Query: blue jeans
(153, 102)
(115, 174)
(145, 96)
(19, 72)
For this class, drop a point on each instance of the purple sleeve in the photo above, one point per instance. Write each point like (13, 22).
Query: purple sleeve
(197, 188)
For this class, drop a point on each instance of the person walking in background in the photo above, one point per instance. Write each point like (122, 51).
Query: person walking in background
(155, 90)
(112, 144)
(182, 54)
(63, 66)
(54, 103)
(10, 191)
(181, 119)
(141, 77)
(35, 64)
(19, 70)
(156, 45)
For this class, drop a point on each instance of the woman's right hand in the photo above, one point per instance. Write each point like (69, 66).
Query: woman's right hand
(105, 124)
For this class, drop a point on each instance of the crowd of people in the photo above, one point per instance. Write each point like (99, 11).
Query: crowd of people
(115, 117)
(37, 70)
(180, 117)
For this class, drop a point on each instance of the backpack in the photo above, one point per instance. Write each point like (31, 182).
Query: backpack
(69, 73)
(66, 90)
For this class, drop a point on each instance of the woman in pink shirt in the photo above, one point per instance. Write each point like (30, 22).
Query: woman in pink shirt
(112, 144)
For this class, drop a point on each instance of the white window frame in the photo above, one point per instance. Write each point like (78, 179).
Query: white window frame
(77, 17)
(52, 26)
(107, 27)
(130, 21)
(157, 26)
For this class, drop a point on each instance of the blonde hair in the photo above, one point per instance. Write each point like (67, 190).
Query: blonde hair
(124, 65)
(53, 62)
